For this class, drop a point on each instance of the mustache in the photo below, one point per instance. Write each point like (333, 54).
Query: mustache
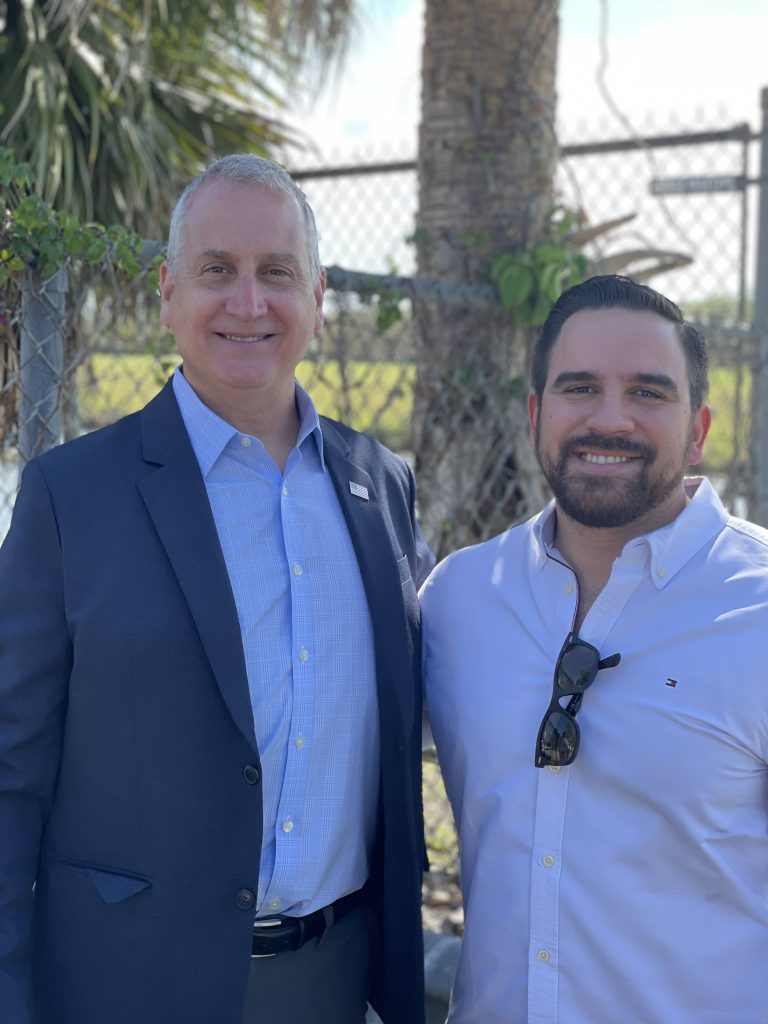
(608, 444)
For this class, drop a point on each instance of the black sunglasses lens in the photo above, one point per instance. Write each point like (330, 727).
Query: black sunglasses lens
(577, 667)
(559, 739)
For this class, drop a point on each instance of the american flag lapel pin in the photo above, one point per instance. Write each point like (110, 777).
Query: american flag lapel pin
(358, 490)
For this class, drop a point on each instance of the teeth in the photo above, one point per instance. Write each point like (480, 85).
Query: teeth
(604, 460)
(240, 337)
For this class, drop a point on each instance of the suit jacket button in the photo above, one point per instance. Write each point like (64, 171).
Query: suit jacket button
(245, 899)
(251, 774)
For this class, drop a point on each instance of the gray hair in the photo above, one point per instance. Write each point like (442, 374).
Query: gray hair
(249, 170)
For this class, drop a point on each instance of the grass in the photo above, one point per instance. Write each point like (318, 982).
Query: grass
(371, 396)
(728, 390)
(374, 397)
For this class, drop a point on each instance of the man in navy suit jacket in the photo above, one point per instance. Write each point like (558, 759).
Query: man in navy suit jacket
(210, 694)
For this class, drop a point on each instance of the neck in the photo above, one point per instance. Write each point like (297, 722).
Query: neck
(591, 551)
(271, 416)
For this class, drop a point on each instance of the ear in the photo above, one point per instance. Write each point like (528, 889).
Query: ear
(699, 430)
(166, 289)
(533, 415)
(319, 291)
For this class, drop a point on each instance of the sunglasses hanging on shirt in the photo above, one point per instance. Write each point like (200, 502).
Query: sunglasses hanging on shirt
(575, 670)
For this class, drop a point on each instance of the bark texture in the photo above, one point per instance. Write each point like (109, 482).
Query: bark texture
(487, 156)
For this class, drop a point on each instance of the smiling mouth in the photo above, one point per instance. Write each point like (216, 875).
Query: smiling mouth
(245, 339)
(605, 460)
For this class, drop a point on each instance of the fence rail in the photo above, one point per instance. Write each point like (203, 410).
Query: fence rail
(80, 352)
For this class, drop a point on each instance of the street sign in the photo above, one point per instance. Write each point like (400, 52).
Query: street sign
(705, 183)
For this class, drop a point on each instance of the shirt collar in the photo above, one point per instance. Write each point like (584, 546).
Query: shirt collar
(210, 434)
(670, 547)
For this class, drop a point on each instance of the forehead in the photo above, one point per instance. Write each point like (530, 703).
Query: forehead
(618, 342)
(239, 215)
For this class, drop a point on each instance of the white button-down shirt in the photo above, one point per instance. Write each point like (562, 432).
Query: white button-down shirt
(630, 887)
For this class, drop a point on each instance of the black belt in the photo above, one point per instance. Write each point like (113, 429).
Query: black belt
(273, 935)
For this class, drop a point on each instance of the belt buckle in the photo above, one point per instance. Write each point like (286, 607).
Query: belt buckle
(267, 922)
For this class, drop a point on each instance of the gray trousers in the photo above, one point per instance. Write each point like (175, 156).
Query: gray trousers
(324, 982)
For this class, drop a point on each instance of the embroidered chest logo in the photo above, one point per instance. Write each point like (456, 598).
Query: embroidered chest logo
(671, 682)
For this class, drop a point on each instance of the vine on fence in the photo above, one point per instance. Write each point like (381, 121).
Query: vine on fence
(526, 282)
(530, 282)
(35, 236)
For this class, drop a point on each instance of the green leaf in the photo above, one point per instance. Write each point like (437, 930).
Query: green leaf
(547, 253)
(551, 281)
(388, 312)
(515, 284)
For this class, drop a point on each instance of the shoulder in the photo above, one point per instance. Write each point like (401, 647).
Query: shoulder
(744, 542)
(99, 445)
(355, 441)
(112, 448)
(481, 565)
(365, 451)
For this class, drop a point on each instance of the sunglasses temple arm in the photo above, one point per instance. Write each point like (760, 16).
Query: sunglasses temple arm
(610, 662)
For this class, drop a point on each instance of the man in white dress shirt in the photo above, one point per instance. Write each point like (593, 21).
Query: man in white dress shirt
(597, 688)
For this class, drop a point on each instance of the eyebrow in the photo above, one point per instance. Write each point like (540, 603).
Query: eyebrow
(214, 254)
(267, 257)
(659, 380)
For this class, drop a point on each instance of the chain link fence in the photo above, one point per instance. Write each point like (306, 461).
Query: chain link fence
(112, 354)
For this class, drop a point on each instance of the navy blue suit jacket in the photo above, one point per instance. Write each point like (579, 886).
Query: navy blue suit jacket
(126, 726)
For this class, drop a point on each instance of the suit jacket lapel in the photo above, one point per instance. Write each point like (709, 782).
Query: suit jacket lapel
(377, 561)
(176, 499)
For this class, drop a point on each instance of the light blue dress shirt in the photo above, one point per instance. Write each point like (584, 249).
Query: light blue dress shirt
(630, 887)
(309, 654)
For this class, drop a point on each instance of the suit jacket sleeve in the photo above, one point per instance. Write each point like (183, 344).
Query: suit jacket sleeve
(35, 662)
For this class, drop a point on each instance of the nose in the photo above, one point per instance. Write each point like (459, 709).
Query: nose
(610, 414)
(246, 298)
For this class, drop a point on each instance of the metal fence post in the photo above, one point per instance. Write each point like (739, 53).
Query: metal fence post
(760, 386)
(41, 369)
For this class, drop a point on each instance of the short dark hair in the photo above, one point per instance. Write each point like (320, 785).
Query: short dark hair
(611, 291)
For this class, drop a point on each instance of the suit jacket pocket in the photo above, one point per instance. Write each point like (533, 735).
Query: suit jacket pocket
(112, 886)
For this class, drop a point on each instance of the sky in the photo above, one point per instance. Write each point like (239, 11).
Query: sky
(700, 61)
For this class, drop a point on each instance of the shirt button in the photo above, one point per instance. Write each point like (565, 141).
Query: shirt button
(554, 768)
(274, 904)
(548, 861)
(246, 442)
(662, 572)
(568, 588)
(543, 955)
(297, 570)
(303, 654)
(285, 491)
(299, 742)
(245, 899)
(287, 825)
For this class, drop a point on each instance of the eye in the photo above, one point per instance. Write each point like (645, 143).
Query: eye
(215, 268)
(646, 393)
(580, 389)
(277, 272)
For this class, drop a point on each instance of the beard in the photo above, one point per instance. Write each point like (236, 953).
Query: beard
(601, 501)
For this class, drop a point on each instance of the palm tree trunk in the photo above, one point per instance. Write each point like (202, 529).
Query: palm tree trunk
(487, 155)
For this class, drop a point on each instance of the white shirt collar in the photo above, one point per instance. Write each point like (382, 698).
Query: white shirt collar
(670, 547)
